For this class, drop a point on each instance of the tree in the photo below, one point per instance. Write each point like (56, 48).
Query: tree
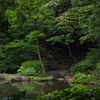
(26, 25)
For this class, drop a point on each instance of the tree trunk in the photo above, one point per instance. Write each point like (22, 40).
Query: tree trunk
(70, 53)
(38, 49)
(39, 55)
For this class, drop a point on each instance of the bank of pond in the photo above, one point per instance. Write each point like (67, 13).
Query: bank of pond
(51, 90)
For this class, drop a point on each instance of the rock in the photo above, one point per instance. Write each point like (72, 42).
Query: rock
(2, 77)
(68, 78)
(16, 79)
(24, 78)
(60, 79)
(50, 78)
(98, 83)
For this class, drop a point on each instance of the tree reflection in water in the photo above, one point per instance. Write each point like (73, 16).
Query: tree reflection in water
(29, 90)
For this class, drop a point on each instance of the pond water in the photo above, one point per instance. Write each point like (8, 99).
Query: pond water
(29, 90)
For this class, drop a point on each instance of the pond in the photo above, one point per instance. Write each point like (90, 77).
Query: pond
(29, 90)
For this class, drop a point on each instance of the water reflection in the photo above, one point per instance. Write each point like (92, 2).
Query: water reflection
(29, 90)
(7, 89)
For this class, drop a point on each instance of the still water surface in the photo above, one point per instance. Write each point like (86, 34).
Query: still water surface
(29, 90)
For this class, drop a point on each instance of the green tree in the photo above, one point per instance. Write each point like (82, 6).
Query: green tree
(26, 25)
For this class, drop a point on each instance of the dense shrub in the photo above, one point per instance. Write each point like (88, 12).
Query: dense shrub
(26, 71)
(89, 64)
(11, 58)
(29, 68)
(30, 72)
(79, 92)
(32, 64)
(97, 72)
(8, 68)
(3, 67)
(79, 77)
(82, 66)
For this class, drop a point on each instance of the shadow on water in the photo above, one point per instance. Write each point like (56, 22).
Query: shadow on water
(29, 90)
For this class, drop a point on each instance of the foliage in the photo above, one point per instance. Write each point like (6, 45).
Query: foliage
(31, 68)
(89, 63)
(65, 74)
(32, 64)
(82, 66)
(50, 65)
(97, 72)
(81, 21)
(80, 77)
(12, 57)
(26, 71)
(65, 39)
(41, 74)
(86, 78)
(79, 92)
(67, 22)
(89, 69)
(30, 72)
(3, 67)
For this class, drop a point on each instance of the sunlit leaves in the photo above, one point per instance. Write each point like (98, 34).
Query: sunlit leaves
(34, 35)
(64, 39)
(55, 39)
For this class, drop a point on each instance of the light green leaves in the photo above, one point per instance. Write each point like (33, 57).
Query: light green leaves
(34, 35)
(55, 39)
(64, 39)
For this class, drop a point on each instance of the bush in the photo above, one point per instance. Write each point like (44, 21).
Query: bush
(89, 64)
(94, 55)
(41, 74)
(82, 66)
(80, 77)
(26, 71)
(85, 78)
(29, 68)
(8, 68)
(79, 92)
(97, 72)
(50, 66)
(35, 64)
(3, 67)
(30, 72)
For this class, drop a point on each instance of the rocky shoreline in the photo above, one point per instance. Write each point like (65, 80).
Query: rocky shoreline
(16, 78)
